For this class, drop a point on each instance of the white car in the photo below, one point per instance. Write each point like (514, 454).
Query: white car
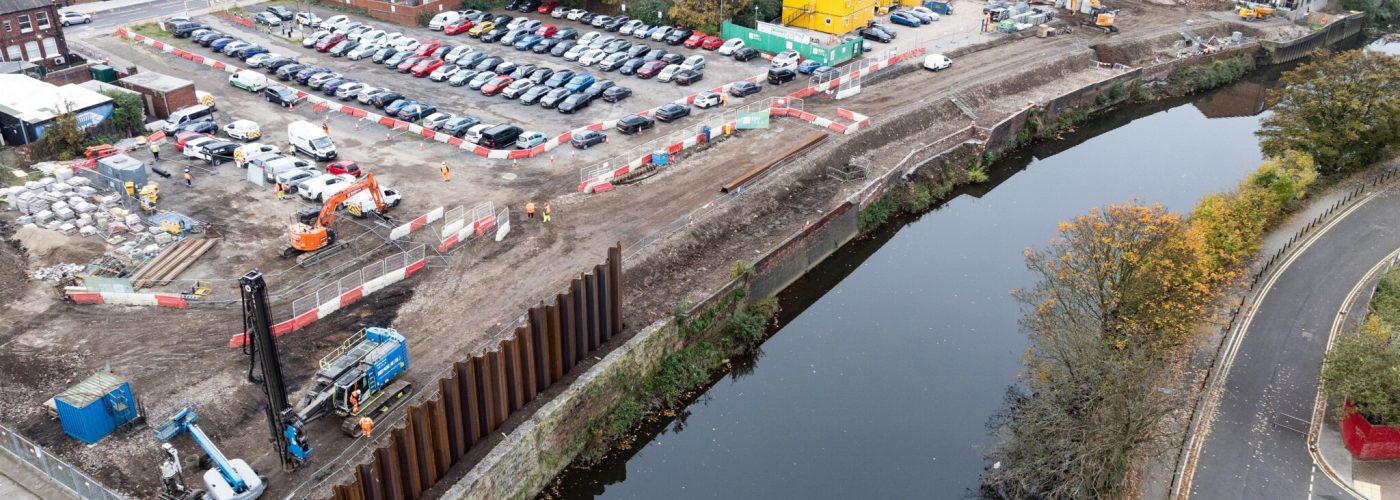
(660, 33)
(346, 28)
(588, 38)
(406, 43)
(444, 72)
(559, 12)
(787, 59)
(319, 187)
(456, 52)
(591, 57)
(730, 46)
(368, 35)
(292, 177)
(363, 50)
(667, 73)
(310, 40)
(516, 88)
(575, 14)
(927, 12)
(368, 92)
(192, 146)
(273, 165)
(937, 62)
(473, 134)
(335, 21)
(243, 130)
(258, 59)
(70, 18)
(516, 22)
(364, 201)
(627, 27)
(393, 38)
(349, 89)
(707, 99)
(248, 151)
(575, 52)
(307, 19)
(444, 19)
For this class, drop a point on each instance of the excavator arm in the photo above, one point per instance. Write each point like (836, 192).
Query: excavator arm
(328, 209)
(312, 235)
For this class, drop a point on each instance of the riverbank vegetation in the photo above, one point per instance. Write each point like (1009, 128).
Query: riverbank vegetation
(1362, 366)
(1342, 109)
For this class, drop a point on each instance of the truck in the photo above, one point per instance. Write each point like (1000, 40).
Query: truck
(310, 140)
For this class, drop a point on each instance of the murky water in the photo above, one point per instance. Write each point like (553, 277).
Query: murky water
(892, 354)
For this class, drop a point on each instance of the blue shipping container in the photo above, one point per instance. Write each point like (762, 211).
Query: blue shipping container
(93, 408)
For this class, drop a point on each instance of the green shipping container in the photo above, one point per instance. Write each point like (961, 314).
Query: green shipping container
(103, 73)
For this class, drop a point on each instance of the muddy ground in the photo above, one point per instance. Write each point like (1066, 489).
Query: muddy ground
(467, 297)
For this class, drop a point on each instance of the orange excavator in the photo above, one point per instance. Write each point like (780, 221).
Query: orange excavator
(310, 234)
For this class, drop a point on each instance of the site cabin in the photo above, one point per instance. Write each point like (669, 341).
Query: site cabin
(310, 140)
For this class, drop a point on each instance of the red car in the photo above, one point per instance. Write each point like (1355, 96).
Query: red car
(694, 40)
(459, 27)
(650, 69)
(496, 85)
(344, 167)
(409, 63)
(183, 137)
(711, 42)
(547, 7)
(547, 30)
(427, 48)
(426, 66)
(330, 41)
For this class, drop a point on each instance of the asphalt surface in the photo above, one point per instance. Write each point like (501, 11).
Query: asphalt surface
(1257, 446)
(107, 21)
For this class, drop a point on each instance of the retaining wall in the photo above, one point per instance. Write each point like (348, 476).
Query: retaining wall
(1337, 31)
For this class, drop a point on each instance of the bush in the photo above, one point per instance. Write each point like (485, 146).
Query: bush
(128, 113)
(1233, 224)
(1362, 369)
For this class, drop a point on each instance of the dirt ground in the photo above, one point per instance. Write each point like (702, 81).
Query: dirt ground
(466, 298)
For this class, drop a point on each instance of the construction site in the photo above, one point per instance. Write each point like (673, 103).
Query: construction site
(441, 264)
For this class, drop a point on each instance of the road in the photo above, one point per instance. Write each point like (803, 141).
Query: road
(1257, 446)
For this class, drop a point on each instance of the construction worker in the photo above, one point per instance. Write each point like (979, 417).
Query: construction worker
(355, 402)
(281, 191)
(530, 210)
(446, 173)
(366, 425)
(546, 212)
(326, 125)
(189, 179)
(155, 151)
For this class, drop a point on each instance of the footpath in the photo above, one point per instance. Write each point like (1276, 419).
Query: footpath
(20, 482)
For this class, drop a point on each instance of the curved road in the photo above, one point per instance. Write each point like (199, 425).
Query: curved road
(1257, 443)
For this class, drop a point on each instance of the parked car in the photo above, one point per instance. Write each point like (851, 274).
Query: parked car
(533, 94)
(730, 46)
(394, 107)
(319, 187)
(552, 98)
(678, 36)
(588, 139)
(597, 89)
(563, 47)
(385, 99)
(545, 45)
(612, 61)
(416, 111)
(707, 99)
(786, 59)
(71, 18)
(559, 78)
(481, 28)
(672, 111)
(335, 21)
(205, 126)
(462, 76)
(630, 66)
(266, 18)
(711, 42)
(628, 27)
(688, 76)
(808, 66)
(443, 72)
(579, 82)
(632, 124)
(779, 76)
(489, 63)
(575, 52)
(350, 89)
(343, 48)
(744, 88)
(661, 33)
(471, 59)
(616, 93)
(279, 95)
(876, 35)
(457, 126)
(481, 79)
(307, 19)
(745, 53)
(575, 14)
(329, 41)
(529, 139)
(243, 130)
(593, 56)
(672, 58)
(528, 41)
(364, 50)
(320, 79)
(496, 85)
(667, 73)
(442, 19)
(825, 74)
(436, 120)
(458, 27)
(651, 69)
(540, 75)
(694, 41)
(904, 18)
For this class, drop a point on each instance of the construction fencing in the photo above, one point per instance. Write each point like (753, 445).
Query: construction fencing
(830, 55)
(478, 394)
(35, 456)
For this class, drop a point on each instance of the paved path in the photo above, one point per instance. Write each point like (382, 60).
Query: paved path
(1257, 446)
(20, 482)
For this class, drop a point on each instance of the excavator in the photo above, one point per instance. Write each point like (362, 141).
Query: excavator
(311, 234)
(1250, 11)
(1099, 17)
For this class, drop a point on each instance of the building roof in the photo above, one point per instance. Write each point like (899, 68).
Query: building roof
(8, 6)
(16, 67)
(156, 81)
(35, 101)
(96, 387)
(101, 86)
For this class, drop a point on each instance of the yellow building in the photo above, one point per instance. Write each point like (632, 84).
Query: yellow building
(829, 16)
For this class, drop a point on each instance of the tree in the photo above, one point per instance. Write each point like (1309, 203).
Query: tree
(1119, 299)
(1233, 224)
(1362, 367)
(1343, 110)
(63, 139)
(128, 113)
(705, 15)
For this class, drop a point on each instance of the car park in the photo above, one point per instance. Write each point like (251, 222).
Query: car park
(672, 58)
(588, 138)
(655, 54)
(744, 88)
(505, 68)
(593, 91)
(382, 56)
(523, 71)
(363, 50)
(319, 79)
(601, 42)
(456, 53)
(588, 38)
(629, 27)
(544, 45)
(574, 103)
(707, 99)
(667, 73)
(745, 54)
(688, 76)
(779, 76)
(670, 112)
(937, 62)
(494, 35)
(617, 46)
(579, 82)
(632, 124)
(426, 67)
(616, 93)
(575, 52)
(552, 98)
(637, 50)
(528, 41)
(513, 36)
(471, 59)
(559, 78)
(407, 63)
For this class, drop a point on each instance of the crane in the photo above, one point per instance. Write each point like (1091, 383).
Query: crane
(361, 378)
(312, 232)
(230, 479)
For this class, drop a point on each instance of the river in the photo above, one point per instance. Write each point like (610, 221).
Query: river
(889, 358)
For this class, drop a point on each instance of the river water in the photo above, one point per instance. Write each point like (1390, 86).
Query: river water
(890, 357)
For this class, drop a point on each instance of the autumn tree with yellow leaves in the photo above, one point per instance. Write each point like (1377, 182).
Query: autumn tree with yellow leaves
(1121, 297)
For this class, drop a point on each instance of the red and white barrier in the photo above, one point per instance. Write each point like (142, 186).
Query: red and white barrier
(83, 296)
(403, 230)
(858, 120)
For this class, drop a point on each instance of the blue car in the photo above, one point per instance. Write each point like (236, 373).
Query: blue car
(808, 66)
(646, 33)
(218, 45)
(905, 19)
(330, 87)
(251, 51)
(393, 108)
(527, 42)
(579, 82)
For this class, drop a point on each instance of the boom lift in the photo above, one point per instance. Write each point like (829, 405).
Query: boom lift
(312, 232)
(228, 480)
(361, 378)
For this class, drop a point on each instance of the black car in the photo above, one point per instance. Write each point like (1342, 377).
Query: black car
(868, 34)
(587, 138)
(207, 37)
(217, 152)
(506, 68)
(513, 4)
(384, 99)
(286, 72)
(629, 67)
(744, 88)
(279, 95)
(565, 33)
(343, 48)
(587, 17)
(281, 12)
(471, 59)
(616, 93)
(416, 111)
(672, 111)
(544, 45)
(529, 5)
(779, 76)
(687, 76)
(457, 127)
(673, 58)
(541, 75)
(559, 78)
(637, 50)
(522, 71)
(205, 126)
(534, 94)
(654, 54)
(502, 19)
(384, 54)
(678, 36)
(562, 47)
(493, 35)
(745, 53)
(182, 29)
(632, 124)
(616, 23)
(554, 97)
(306, 74)
(889, 30)
(597, 88)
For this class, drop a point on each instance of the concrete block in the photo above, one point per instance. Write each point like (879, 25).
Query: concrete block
(164, 238)
(87, 230)
(116, 228)
(43, 217)
(155, 230)
(79, 181)
(52, 225)
(68, 228)
(58, 205)
(74, 200)
(86, 191)
(130, 219)
(64, 214)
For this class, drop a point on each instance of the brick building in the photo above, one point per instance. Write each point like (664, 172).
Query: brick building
(30, 31)
(162, 94)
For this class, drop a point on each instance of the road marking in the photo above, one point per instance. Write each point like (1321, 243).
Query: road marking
(1196, 440)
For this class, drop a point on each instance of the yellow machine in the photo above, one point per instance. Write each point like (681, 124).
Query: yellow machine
(1103, 19)
(149, 194)
(1252, 11)
(311, 232)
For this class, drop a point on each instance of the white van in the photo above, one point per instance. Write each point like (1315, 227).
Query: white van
(186, 115)
(271, 168)
(244, 130)
(251, 81)
(695, 62)
(444, 19)
(310, 140)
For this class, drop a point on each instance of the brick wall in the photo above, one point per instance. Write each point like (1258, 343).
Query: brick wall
(398, 12)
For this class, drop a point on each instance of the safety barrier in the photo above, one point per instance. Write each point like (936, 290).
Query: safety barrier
(84, 296)
(48, 464)
(858, 120)
(461, 225)
(346, 291)
(403, 230)
(860, 73)
(475, 396)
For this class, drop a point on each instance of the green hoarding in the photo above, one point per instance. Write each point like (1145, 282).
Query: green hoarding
(773, 43)
(752, 120)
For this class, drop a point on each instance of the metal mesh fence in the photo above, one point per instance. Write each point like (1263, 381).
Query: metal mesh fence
(53, 467)
(356, 278)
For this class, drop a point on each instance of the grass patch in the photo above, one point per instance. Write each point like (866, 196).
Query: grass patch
(151, 30)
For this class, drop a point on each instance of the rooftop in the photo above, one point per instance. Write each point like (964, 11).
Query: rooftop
(35, 101)
(92, 389)
(156, 81)
(8, 6)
